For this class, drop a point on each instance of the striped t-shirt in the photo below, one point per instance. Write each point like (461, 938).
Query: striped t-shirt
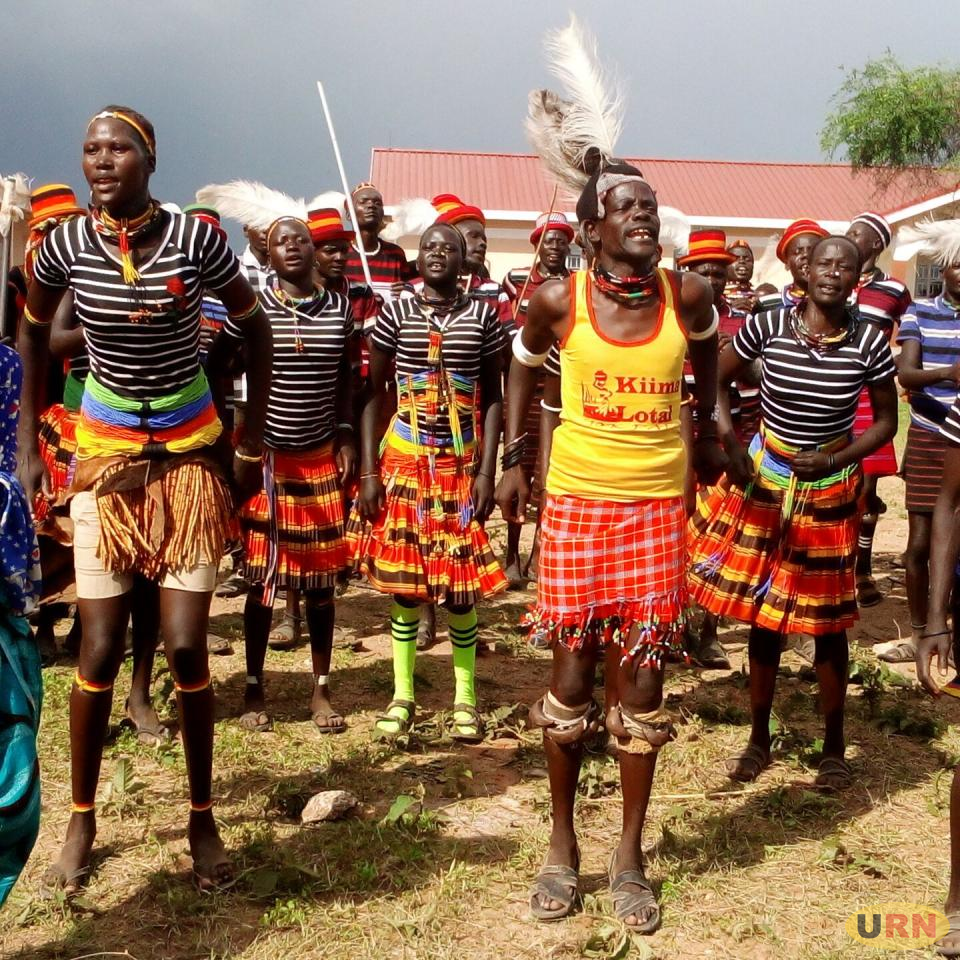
(470, 334)
(936, 325)
(301, 406)
(882, 301)
(808, 397)
(387, 264)
(950, 428)
(142, 339)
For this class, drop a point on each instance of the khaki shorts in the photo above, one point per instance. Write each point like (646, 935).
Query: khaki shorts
(94, 582)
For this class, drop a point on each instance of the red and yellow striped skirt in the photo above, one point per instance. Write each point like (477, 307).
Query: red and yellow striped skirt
(57, 441)
(790, 570)
(426, 544)
(293, 529)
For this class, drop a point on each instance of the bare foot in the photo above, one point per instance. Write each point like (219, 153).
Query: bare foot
(326, 718)
(515, 578)
(71, 868)
(212, 868)
(150, 731)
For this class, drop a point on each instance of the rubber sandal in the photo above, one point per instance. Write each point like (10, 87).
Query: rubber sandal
(555, 882)
(286, 634)
(471, 732)
(148, 736)
(320, 715)
(746, 766)
(867, 593)
(833, 775)
(218, 646)
(256, 721)
(953, 949)
(628, 903)
(404, 726)
(234, 586)
(903, 652)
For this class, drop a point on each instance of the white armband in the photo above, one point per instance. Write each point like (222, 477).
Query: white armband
(709, 332)
(525, 357)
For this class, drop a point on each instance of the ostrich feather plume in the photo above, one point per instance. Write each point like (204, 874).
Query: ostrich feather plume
(328, 200)
(577, 131)
(410, 219)
(674, 228)
(940, 239)
(250, 203)
(15, 204)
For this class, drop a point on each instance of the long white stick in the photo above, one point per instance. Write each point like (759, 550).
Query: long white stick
(6, 242)
(346, 186)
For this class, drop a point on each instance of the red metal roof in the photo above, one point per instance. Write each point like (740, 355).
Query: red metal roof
(707, 188)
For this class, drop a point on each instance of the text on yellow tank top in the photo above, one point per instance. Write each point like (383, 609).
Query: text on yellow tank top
(619, 433)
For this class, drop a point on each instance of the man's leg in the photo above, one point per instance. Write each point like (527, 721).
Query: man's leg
(867, 593)
(145, 618)
(404, 621)
(764, 654)
(917, 564)
(320, 612)
(256, 627)
(567, 714)
(512, 565)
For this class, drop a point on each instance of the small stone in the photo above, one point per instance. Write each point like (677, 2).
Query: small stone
(328, 805)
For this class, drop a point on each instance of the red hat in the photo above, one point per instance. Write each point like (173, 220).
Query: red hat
(706, 245)
(54, 201)
(203, 212)
(452, 209)
(327, 224)
(797, 229)
(739, 245)
(551, 221)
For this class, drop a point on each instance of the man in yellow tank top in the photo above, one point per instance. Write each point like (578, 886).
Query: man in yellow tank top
(613, 559)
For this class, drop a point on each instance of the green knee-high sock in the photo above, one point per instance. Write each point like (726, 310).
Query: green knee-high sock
(403, 628)
(463, 638)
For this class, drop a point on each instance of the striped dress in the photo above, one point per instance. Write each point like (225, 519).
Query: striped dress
(780, 554)
(294, 527)
(935, 325)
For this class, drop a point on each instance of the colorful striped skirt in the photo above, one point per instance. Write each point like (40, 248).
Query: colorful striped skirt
(426, 544)
(923, 468)
(58, 449)
(613, 572)
(882, 462)
(293, 529)
(780, 554)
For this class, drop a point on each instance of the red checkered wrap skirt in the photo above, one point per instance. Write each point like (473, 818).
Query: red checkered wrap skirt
(57, 441)
(613, 572)
(882, 462)
(293, 529)
(788, 576)
(426, 544)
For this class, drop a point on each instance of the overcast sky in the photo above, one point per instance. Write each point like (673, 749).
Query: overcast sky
(230, 84)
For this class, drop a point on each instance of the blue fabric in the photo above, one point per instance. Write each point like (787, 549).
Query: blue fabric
(21, 698)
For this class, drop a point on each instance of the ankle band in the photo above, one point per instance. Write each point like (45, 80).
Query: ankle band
(201, 807)
(82, 807)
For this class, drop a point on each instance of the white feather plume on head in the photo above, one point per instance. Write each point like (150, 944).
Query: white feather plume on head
(15, 201)
(250, 203)
(410, 218)
(329, 200)
(767, 265)
(940, 239)
(583, 124)
(674, 229)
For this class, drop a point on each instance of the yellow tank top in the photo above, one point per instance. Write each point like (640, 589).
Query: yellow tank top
(619, 434)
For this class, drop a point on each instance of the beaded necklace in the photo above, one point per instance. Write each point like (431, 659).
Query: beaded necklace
(822, 341)
(635, 291)
(290, 302)
(123, 231)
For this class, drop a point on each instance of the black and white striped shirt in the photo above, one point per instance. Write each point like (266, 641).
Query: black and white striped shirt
(809, 397)
(471, 333)
(142, 339)
(301, 407)
(950, 428)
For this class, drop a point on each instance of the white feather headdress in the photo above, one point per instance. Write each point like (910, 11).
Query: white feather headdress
(575, 133)
(674, 229)
(15, 202)
(410, 219)
(250, 203)
(939, 238)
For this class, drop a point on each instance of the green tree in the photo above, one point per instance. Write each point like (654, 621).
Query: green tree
(893, 121)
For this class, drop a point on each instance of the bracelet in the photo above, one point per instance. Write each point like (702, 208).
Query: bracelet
(30, 318)
(248, 313)
(546, 406)
(247, 458)
(514, 453)
(831, 462)
(345, 426)
(483, 473)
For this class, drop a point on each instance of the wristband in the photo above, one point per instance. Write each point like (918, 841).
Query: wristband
(247, 458)
(345, 426)
(546, 406)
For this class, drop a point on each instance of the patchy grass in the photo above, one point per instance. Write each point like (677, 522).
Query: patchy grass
(438, 861)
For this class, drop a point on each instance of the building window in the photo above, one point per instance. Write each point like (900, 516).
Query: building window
(929, 280)
(574, 261)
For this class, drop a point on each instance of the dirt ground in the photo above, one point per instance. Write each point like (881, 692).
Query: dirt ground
(438, 859)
